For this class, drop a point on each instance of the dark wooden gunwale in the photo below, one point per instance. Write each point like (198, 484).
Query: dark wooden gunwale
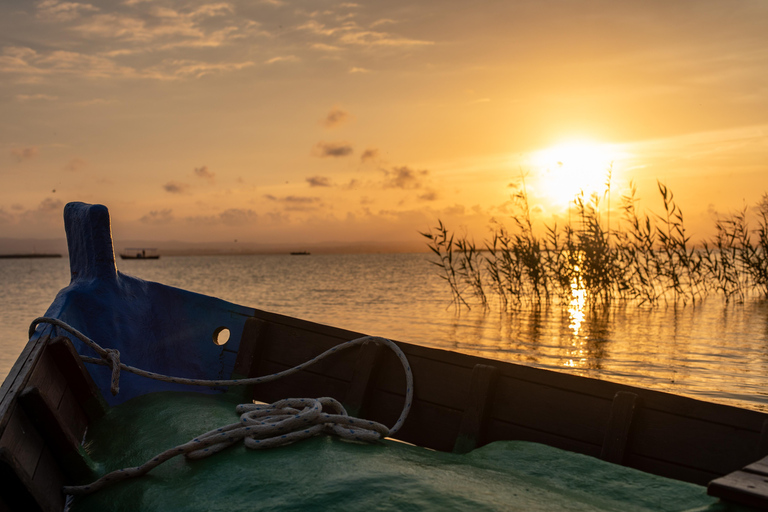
(660, 433)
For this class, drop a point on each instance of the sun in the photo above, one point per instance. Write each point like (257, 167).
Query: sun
(569, 168)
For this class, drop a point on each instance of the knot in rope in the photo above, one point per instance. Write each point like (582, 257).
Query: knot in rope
(112, 357)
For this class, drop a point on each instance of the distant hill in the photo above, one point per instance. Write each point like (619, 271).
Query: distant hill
(176, 248)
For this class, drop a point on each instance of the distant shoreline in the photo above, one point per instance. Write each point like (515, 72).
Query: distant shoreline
(30, 255)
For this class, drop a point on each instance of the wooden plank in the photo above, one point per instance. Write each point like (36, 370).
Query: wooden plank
(762, 449)
(428, 425)
(619, 425)
(77, 377)
(58, 436)
(291, 347)
(48, 481)
(249, 355)
(502, 431)
(74, 418)
(714, 448)
(15, 485)
(760, 467)
(475, 415)
(742, 487)
(47, 377)
(304, 384)
(22, 439)
(436, 382)
(251, 347)
(366, 366)
(19, 375)
(554, 411)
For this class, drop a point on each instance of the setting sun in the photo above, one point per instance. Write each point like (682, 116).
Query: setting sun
(565, 170)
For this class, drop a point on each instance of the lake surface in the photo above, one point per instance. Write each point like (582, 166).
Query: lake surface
(713, 351)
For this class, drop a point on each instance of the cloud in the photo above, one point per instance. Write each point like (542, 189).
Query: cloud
(174, 187)
(356, 69)
(369, 154)
(325, 47)
(75, 164)
(133, 28)
(204, 172)
(296, 203)
(5, 217)
(34, 65)
(318, 181)
(23, 98)
(334, 149)
(284, 58)
(229, 217)
(335, 117)
(158, 217)
(429, 195)
(50, 205)
(403, 177)
(237, 216)
(351, 34)
(21, 154)
(55, 10)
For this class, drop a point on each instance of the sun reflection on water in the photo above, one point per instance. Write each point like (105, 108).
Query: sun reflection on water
(577, 305)
(576, 317)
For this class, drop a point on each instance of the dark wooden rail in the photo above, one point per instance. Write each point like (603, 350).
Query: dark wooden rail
(46, 403)
(463, 401)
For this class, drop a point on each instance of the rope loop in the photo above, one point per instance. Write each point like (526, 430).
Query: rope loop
(260, 425)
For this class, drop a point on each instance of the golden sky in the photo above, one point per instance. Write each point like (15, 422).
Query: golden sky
(282, 121)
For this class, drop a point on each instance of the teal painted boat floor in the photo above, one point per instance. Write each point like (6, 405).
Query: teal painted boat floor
(325, 473)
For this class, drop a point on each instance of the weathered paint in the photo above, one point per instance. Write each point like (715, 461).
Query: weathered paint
(155, 327)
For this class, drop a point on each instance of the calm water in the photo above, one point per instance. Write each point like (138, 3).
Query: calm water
(712, 352)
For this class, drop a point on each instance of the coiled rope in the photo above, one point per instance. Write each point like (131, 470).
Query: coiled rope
(260, 426)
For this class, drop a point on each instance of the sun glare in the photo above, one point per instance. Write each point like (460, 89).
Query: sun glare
(565, 170)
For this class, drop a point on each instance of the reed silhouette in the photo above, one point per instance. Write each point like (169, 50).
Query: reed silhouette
(648, 259)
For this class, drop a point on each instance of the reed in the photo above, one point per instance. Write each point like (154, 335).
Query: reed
(647, 259)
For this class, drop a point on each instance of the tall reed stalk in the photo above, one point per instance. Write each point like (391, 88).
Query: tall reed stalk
(647, 259)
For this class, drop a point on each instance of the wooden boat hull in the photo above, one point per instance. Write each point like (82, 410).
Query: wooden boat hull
(460, 401)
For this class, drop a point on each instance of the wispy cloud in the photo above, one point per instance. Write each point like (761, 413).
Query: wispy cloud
(337, 116)
(105, 36)
(175, 187)
(429, 195)
(204, 172)
(22, 154)
(356, 69)
(349, 33)
(319, 181)
(24, 98)
(75, 164)
(282, 58)
(296, 203)
(231, 217)
(333, 149)
(55, 10)
(369, 154)
(403, 177)
(158, 217)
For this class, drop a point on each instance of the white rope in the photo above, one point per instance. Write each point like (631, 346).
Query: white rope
(260, 426)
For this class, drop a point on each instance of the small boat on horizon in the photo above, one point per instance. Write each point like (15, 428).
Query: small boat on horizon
(300, 253)
(140, 253)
